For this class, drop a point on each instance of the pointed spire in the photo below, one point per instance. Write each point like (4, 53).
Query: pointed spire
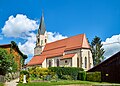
(42, 29)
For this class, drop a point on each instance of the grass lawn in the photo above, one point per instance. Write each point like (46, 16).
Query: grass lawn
(61, 82)
(1, 84)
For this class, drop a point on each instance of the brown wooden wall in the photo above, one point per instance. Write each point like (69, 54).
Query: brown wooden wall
(17, 57)
(110, 69)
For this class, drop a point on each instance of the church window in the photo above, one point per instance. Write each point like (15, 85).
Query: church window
(41, 42)
(38, 40)
(58, 62)
(85, 62)
(65, 61)
(50, 63)
(45, 40)
(77, 62)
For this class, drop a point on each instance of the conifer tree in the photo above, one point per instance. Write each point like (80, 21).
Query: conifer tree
(97, 50)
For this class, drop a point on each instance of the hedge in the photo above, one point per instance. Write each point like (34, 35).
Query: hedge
(94, 76)
(61, 71)
(82, 75)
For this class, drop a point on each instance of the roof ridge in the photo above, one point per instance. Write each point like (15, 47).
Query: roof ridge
(4, 44)
(65, 38)
(83, 39)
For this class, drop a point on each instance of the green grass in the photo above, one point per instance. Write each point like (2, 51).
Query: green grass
(1, 84)
(61, 82)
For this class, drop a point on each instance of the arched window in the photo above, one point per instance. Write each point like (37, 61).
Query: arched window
(50, 64)
(58, 63)
(85, 62)
(38, 40)
(45, 40)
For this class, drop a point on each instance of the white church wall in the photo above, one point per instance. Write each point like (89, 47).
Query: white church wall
(44, 64)
(85, 54)
(66, 62)
(74, 60)
(54, 61)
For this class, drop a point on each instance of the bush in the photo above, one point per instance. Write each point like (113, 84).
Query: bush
(1, 84)
(37, 73)
(66, 77)
(94, 76)
(60, 71)
(22, 73)
(82, 75)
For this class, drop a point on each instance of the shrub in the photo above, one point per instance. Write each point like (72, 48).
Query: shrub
(82, 75)
(66, 77)
(24, 72)
(60, 71)
(55, 77)
(1, 84)
(94, 76)
(40, 73)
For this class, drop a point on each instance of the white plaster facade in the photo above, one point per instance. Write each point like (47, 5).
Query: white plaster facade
(78, 60)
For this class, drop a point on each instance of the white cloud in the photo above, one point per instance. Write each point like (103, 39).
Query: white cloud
(28, 46)
(53, 36)
(23, 27)
(19, 26)
(111, 45)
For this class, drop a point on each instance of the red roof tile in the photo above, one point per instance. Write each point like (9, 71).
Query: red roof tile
(68, 56)
(57, 48)
(36, 60)
(53, 52)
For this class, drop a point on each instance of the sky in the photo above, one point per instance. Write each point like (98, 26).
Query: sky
(19, 21)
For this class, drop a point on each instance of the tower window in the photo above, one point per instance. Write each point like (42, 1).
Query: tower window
(45, 40)
(38, 40)
(41, 42)
(85, 62)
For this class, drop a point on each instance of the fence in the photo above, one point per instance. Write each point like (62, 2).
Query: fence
(2, 78)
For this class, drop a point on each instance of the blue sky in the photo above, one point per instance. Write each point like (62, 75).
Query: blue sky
(65, 17)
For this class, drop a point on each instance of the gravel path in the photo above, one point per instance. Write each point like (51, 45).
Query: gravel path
(12, 83)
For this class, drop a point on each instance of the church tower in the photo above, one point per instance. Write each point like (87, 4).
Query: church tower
(41, 37)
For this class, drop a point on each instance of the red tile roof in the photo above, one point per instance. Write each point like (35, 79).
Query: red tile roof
(68, 56)
(57, 48)
(36, 60)
(53, 52)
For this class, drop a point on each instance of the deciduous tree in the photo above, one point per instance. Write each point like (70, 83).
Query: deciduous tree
(7, 63)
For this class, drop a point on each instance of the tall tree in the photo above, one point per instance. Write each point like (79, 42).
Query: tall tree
(97, 50)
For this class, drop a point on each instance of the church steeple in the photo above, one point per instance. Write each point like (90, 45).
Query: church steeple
(41, 37)
(41, 30)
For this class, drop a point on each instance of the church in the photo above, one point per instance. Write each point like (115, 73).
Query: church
(69, 52)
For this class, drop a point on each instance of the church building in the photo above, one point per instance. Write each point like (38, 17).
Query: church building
(69, 52)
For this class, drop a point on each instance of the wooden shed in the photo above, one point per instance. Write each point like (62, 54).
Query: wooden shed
(110, 69)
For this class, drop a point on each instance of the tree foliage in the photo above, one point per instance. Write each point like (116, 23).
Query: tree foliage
(97, 50)
(7, 63)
